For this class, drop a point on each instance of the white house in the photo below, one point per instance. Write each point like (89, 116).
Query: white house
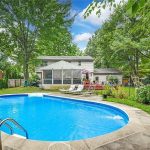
(101, 74)
(71, 70)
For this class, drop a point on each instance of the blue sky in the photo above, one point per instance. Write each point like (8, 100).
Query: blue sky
(83, 29)
(79, 28)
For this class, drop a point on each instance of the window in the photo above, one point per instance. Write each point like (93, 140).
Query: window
(96, 78)
(76, 76)
(39, 77)
(47, 76)
(79, 63)
(57, 76)
(67, 74)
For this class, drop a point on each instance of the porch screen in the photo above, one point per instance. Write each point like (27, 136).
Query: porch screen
(67, 74)
(47, 76)
(57, 76)
(76, 76)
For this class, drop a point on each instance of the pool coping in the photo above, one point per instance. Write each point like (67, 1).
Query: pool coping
(86, 144)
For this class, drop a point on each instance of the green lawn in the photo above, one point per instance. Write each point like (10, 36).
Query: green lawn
(130, 101)
(21, 90)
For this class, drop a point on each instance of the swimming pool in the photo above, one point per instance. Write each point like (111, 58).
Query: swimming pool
(52, 118)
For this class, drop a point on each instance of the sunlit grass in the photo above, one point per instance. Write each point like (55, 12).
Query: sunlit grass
(20, 90)
(130, 102)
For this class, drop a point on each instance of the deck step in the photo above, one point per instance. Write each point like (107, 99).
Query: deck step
(19, 136)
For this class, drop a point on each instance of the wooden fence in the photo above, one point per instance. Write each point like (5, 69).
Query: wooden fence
(15, 82)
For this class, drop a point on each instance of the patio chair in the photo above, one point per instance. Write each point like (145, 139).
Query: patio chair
(79, 90)
(72, 88)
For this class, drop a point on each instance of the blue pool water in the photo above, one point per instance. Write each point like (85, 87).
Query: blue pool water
(51, 118)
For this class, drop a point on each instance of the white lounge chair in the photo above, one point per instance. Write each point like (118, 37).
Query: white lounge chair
(79, 90)
(72, 88)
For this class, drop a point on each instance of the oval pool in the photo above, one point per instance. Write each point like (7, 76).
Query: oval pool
(52, 118)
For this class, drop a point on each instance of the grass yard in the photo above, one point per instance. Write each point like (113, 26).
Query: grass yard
(130, 101)
(21, 90)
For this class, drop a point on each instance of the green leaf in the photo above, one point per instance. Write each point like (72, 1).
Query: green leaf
(142, 3)
(114, 5)
(135, 7)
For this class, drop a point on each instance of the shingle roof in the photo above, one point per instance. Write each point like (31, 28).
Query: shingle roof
(60, 65)
(107, 71)
(69, 58)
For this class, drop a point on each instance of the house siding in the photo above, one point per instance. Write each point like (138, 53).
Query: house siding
(86, 63)
(103, 78)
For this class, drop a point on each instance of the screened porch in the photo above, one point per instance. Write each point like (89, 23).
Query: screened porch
(64, 76)
(61, 72)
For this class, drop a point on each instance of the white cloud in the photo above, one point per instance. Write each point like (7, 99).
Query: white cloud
(90, 24)
(82, 37)
(93, 19)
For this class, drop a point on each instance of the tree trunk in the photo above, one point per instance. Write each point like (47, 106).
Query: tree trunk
(137, 62)
(26, 72)
(26, 68)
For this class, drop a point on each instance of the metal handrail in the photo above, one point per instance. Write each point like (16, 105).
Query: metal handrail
(6, 124)
(16, 123)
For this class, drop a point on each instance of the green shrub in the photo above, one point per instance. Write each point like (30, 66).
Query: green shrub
(3, 83)
(146, 80)
(34, 78)
(107, 90)
(119, 93)
(112, 79)
(143, 94)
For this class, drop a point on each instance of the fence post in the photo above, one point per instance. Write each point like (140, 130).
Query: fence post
(15, 82)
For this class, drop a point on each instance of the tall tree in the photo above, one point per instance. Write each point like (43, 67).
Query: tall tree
(132, 7)
(123, 41)
(58, 43)
(26, 21)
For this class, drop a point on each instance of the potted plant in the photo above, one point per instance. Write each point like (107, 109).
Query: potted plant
(104, 95)
(107, 91)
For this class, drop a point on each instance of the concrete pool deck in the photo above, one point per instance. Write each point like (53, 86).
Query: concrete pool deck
(134, 136)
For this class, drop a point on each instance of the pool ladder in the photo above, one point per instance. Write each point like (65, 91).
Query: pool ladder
(4, 122)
